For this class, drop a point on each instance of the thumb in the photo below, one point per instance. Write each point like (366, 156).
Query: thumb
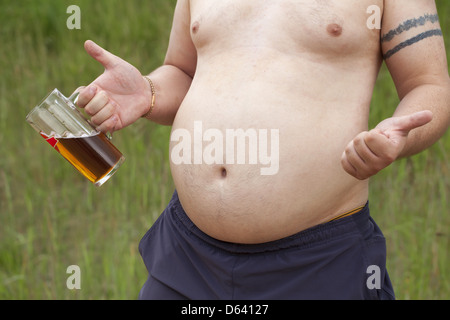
(404, 124)
(107, 59)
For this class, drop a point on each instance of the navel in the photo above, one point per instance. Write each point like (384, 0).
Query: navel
(224, 173)
(334, 29)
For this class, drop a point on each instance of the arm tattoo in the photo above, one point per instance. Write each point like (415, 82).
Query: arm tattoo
(407, 25)
(420, 37)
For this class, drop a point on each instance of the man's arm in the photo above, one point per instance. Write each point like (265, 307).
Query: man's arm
(120, 96)
(414, 51)
(172, 80)
(413, 48)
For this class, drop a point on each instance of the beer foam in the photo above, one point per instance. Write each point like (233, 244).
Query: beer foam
(70, 135)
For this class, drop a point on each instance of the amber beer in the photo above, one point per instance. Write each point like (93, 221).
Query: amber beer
(94, 156)
(67, 130)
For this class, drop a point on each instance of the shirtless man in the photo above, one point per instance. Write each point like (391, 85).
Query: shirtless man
(306, 68)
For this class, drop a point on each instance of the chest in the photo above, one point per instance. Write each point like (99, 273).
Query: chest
(334, 26)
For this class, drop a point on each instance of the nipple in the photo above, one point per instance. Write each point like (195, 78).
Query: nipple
(334, 29)
(195, 27)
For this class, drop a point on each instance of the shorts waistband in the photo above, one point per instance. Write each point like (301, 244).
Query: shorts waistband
(356, 223)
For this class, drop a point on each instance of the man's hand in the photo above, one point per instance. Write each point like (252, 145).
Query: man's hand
(374, 150)
(118, 97)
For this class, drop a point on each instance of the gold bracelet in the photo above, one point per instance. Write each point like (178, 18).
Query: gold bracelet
(152, 87)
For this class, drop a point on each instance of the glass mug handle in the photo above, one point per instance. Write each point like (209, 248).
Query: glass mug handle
(74, 99)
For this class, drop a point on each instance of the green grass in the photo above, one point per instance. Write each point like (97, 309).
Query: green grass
(51, 217)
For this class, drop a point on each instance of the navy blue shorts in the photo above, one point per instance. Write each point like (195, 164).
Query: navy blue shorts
(341, 259)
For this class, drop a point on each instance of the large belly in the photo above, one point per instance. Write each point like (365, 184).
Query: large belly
(255, 152)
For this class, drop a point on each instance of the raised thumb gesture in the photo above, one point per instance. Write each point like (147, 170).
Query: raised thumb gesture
(371, 151)
(119, 96)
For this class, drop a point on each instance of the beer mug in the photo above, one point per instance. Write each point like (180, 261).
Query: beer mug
(64, 127)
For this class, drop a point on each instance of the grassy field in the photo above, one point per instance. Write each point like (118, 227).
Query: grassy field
(51, 217)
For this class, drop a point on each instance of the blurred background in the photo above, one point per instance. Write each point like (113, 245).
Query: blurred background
(51, 217)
